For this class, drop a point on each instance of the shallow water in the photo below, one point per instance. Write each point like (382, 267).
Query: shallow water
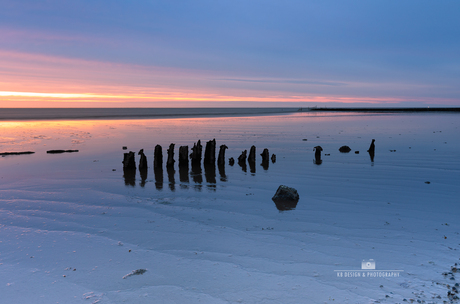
(400, 209)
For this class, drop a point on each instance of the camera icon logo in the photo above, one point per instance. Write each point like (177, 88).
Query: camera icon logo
(368, 264)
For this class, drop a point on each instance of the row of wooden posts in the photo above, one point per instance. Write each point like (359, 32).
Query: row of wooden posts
(195, 156)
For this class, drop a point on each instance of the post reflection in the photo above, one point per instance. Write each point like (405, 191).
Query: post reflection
(189, 171)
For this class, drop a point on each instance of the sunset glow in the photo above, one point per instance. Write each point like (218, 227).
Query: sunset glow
(189, 58)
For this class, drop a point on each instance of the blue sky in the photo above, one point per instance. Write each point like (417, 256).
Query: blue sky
(300, 52)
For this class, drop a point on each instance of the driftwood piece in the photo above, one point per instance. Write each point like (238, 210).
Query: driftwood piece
(129, 162)
(210, 152)
(170, 161)
(221, 157)
(143, 160)
(158, 157)
(60, 151)
(16, 153)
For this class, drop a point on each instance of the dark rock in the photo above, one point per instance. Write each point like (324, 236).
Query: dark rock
(273, 158)
(231, 161)
(125, 148)
(285, 198)
(170, 161)
(210, 152)
(129, 161)
(143, 160)
(158, 157)
(356, 152)
(344, 149)
(60, 151)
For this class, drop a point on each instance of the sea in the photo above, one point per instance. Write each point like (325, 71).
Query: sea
(76, 227)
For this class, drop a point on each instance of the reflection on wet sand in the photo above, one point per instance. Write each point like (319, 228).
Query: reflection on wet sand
(144, 173)
(129, 176)
(210, 173)
(158, 172)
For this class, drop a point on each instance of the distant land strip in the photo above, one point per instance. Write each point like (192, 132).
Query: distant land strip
(427, 109)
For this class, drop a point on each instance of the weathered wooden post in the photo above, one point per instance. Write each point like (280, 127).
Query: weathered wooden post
(170, 161)
(195, 156)
(221, 157)
(265, 159)
(158, 157)
(183, 164)
(242, 160)
(143, 160)
(372, 150)
(129, 168)
(318, 150)
(129, 161)
(252, 159)
(210, 152)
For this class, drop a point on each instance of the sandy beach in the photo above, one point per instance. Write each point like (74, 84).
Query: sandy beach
(74, 230)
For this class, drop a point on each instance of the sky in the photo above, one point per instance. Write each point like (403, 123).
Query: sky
(147, 53)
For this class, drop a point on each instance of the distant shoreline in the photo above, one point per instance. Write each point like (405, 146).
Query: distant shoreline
(24, 114)
(13, 114)
(406, 109)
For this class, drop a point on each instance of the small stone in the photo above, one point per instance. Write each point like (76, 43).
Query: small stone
(125, 148)
(344, 149)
